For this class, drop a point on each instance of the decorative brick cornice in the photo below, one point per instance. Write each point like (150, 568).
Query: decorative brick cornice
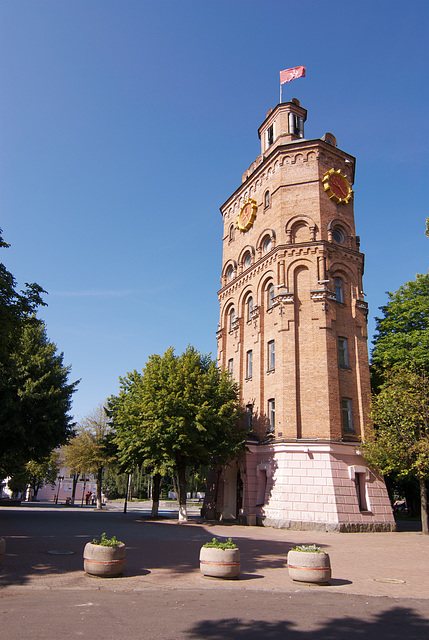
(320, 295)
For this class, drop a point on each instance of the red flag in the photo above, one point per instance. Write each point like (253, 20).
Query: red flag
(290, 74)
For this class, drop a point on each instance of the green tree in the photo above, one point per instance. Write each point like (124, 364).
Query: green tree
(399, 443)
(181, 413)
(402, 334)
(34, 419)
(90, 451)
(42, 472)
(14, 307)
(35, 396)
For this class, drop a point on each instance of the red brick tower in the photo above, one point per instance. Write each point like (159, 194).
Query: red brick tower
(293, 333)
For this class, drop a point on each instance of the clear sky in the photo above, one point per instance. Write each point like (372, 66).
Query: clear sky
(125, 124)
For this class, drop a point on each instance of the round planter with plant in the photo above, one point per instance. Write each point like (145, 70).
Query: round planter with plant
(308, 563)
(104, 558)
(220, 559)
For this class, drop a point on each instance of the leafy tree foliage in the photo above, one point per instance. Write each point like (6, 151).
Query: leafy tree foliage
(14, 307)
(180, 413)
(402, 334)
(90, 451)
(42, 472)
(400, 441)
(35, 395)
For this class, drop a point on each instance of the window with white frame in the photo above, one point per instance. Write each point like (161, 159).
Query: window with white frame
(249, 364)
(270, 135)
(271, 414)
(339, 289)
(270, 296)
(249, 308)
(347, 415)
(230, 367)
(343, 352)
(271, 356)
(231, 232)
(266, 244)
(266, 200)
(231, 319)
(247, 259)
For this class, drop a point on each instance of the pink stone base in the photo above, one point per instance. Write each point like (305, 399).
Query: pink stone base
(313, 486)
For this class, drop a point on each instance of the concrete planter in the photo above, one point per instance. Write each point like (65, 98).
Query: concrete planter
(2, 549)
(220, 563)
(105, 562)
(307, 566)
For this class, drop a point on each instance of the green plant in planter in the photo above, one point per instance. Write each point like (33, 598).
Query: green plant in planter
(107, 542)
(308, 548)
(216, 544)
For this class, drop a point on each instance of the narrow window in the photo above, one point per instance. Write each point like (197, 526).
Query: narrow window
(339, 290)
(271, 356)
(247, 259)
(230, 273)
(231, 319)
(270, 135)
(270, 296)
(249, 364)
(346, 408)
(249, 308)
(343, 352)
(249, 413)
(266, 246)
(271, 414)
(361, 491)
(230, 367)
(267, 200)
(231, 232)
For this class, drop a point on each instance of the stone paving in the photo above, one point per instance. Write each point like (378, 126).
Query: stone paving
(162, 554)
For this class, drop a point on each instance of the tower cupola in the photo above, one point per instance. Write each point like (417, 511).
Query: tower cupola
(283, 124)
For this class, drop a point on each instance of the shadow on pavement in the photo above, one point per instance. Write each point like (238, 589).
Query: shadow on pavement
(32, 535)
(396, 624)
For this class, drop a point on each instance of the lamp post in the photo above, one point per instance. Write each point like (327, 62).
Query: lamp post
(60, 478)
(85, 480)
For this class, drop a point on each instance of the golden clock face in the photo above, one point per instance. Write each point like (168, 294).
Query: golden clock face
(247, 215)
(337, 187)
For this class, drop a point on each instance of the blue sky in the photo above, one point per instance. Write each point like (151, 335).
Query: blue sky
(125, 124)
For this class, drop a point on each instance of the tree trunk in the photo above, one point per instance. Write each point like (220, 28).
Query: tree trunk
(75, 481)
(156, 490)
(99, 481)
(182, 487)
(126, 492)
(424, 506)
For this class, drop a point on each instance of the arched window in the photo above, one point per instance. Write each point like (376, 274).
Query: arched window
(231, 318)
(231, 233)
(249, 308)
(339, 289)
(266, 244)
(230, 273)
(338, 235)
(270, 296)
(266, 200)
(247, 259)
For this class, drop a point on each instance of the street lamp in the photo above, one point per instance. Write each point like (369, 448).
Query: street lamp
(60, 478)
